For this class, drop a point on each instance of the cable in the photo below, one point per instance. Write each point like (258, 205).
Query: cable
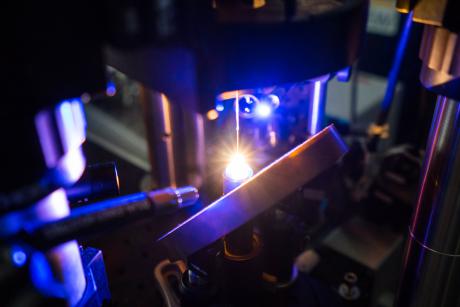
(391, 85)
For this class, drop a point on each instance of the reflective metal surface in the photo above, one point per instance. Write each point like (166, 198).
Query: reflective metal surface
(317, 105)
(175, 137)
(440, 71)
(258, 194)
(432, 259)
(169, 198)
(439, 13)
(160, 136)
(436, 222)
(192, 67)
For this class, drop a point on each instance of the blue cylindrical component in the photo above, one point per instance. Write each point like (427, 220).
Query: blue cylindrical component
(96, 217)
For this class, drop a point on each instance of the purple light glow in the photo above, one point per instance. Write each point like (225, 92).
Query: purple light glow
(46, 137)
(73, 164)
(111, 89)
(71, 131)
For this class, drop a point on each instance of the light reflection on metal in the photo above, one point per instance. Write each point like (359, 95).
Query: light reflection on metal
(273, 100)
(432, 255)
(237, 121)
(272, 137)
(231, 94)
(257, 194)
(159, 118)
(316, 108)
(251, 103)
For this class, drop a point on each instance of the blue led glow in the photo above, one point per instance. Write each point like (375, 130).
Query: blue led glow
(219, 107)
(18, 256)
(111, 90)
(263, 110)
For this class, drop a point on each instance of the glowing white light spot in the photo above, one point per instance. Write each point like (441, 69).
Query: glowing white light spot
(238, 169)
(314, 124)
(220, 107)
(263, 110)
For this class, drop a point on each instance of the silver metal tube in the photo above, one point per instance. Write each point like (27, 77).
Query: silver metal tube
(160, 136)
(93, 218)
(175, 137)
(431, 272)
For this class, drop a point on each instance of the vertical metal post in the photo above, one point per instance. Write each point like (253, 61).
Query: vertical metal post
(160, 136)
(431, 272)
(175, 136)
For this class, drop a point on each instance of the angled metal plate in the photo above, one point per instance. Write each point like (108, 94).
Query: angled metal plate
(259, 193)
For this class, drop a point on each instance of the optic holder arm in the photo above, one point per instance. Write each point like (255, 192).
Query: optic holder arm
(261, 192)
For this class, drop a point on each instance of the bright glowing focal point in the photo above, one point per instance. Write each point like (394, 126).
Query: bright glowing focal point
(238, 169)
(263, 110)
